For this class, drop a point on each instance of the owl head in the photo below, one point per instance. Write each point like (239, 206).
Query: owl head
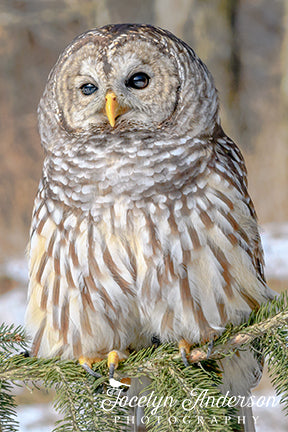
(126, 79)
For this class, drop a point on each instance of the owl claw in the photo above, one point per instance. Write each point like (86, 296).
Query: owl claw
(184, 349)
(183, 356)
(86, 363)
(111, 371)
(113, 361)
(90, 371)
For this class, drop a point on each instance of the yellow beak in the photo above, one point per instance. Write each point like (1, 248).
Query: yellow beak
(112, 108)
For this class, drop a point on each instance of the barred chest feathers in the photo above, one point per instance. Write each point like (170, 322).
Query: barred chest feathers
(161, 223)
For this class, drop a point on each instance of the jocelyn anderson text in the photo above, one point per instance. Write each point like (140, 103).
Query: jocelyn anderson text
(198, 398)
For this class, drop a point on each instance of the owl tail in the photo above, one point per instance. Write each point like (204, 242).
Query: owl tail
(241, 373)
(136, 414)
(249, 425)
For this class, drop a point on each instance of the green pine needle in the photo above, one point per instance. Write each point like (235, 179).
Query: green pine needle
(84, 401)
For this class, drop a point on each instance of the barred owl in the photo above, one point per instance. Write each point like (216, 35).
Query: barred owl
(142, 223)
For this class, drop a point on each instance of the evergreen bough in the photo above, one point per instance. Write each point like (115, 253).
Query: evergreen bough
(89, 404)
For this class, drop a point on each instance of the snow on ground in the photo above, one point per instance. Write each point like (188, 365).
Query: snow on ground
(12, 302)
(36, 418)
(270, 417)
(275, 243)
(16, 269)
(12, 307)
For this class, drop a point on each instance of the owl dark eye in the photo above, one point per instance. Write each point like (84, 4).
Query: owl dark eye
(88, 89)
(138, 81)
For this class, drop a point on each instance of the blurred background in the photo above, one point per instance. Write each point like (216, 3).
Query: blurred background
(244, 44)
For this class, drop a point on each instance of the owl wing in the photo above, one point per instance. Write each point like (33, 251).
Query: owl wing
(229, 165)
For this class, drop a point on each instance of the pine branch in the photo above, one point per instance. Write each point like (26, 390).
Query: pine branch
(241, 336)
(12, 338)
(8, 422)
(85, 402)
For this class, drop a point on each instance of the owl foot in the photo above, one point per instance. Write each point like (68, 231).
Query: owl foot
(184, 349)
(113, 361)
(87, 363)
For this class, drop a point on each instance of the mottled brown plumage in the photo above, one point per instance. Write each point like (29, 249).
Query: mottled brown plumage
(144, 228)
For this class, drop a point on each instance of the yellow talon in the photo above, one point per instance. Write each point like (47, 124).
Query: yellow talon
(113, 362)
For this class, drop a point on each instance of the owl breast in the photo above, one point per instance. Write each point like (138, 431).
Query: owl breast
(187, 251)
(95, 176)
(141, 238)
